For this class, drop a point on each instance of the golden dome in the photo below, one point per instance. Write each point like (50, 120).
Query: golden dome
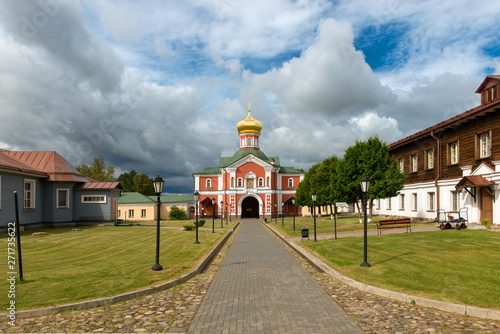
(249, 124)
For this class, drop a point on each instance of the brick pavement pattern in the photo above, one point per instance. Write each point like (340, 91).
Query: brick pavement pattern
(261, 288)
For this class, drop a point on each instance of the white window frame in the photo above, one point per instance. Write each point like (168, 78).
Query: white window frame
(93, 199)
(249, 141)
(67, 198)
(239, 182)
(290, 182)
(431, 201)
(143, 213)
(402, 202)
(119, 213)
(455, 200)
(401, 162)
(208, 183)
(260, 182)
(389, 203)
(414, 162)
(429, 154)
(453, 152)
(414, 201)
(131, 213)
(32, 193)
(484, 140)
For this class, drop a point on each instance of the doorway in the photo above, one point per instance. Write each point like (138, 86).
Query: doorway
(250, 208)
(486, 205)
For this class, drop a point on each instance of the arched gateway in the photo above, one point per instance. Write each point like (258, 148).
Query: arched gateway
(250, 208)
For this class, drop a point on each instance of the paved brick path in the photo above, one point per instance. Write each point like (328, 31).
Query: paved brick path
(260, 288)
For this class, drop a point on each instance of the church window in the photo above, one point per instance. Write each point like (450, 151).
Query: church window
(209, 183)
(240, 182)
(249, 141)
(290, 183)
(261, 182)
(268, 183)
(232, 182)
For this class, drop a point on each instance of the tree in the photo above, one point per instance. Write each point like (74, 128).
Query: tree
(304, 190)
(143, 184)
(322, 182)
(98, 171)
(127, 180)
(177, 214)
(370, 158)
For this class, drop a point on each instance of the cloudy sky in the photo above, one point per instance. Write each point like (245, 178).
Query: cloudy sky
(158, 86)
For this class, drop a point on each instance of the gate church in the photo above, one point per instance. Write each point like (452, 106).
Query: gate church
(248, 184)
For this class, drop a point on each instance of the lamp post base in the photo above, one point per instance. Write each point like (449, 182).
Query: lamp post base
(365, 264)
(196, 242)
(157, 267)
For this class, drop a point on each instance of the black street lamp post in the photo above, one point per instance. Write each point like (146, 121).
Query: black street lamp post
(226, 213)
(293, 202)
(196, 199)
(221, 214)
(275, 213)
(158, 186)
(282, 214)
(213, 215)
(230, 207)
(314, 197)
(365, 187)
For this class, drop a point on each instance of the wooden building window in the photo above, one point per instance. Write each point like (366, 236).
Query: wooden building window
(453, 153)
(29, 194)
(414, 162)
(62, 198)
(401, 164)
(429, 158)
(483, 145)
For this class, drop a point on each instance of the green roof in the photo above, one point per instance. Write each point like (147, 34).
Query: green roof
(134, 198)
(290, 170)
(226, 161)
(210, 170)
(175, 198)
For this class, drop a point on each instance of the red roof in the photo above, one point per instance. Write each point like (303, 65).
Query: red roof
(9, 163)
(98, 186)
(473, 180)
(48, 162)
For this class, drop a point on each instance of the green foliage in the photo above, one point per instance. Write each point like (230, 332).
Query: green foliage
(127, 180)
(201, 222)
(177, 214)
(143, 184)
(370, 158)
(189, 227)
(486, 222)
(97, 171)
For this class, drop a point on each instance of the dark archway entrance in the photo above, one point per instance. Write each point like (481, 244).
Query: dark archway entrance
(250, 208)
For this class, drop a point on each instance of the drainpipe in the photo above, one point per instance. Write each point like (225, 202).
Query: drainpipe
(438, 177)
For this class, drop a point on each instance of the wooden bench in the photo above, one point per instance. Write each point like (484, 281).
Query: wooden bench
(394, 223)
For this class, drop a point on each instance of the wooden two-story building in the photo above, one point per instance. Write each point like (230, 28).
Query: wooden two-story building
(452, 165)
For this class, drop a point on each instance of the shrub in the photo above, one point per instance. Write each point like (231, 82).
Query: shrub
(486, 222)
(177, 214)
(201, 222)
(189, 227)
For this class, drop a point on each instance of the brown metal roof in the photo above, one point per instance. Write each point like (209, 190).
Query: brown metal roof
(11, 164)
(48, 162)
(451, 122)
(98, 186)
(473, 181)
(486, 81)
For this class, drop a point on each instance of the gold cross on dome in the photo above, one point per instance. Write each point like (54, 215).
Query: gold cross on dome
(249, 104)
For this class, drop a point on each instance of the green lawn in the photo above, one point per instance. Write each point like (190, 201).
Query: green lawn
(69, 266)
(181, 223)
(454, 266)
(345, 223)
